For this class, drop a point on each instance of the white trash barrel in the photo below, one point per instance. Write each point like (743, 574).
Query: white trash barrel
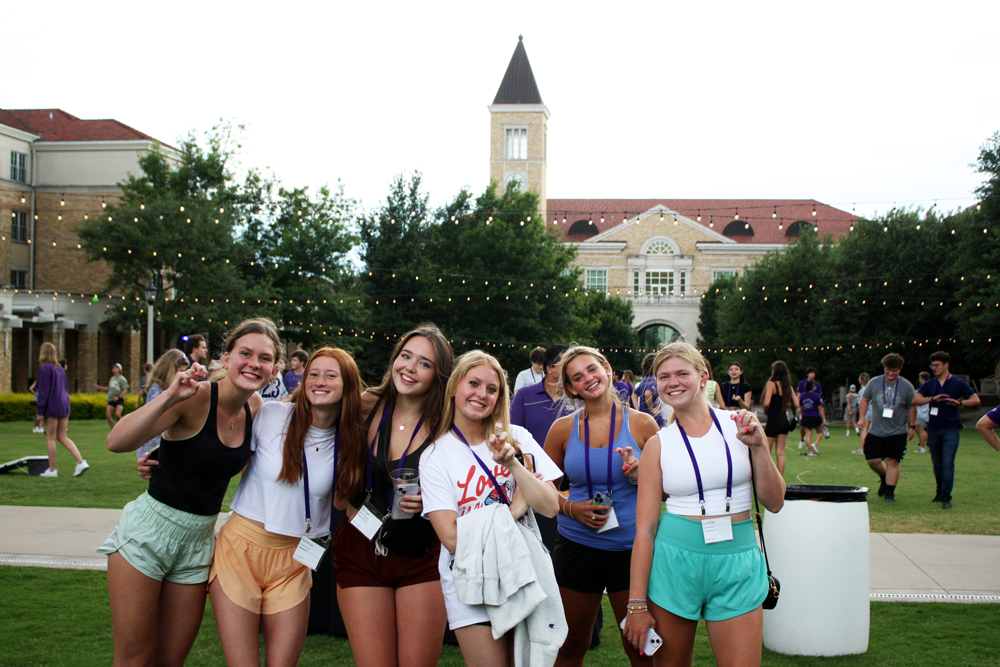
(818, 548)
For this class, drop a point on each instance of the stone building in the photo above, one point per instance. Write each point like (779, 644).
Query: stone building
(62, 170)
(660, 253)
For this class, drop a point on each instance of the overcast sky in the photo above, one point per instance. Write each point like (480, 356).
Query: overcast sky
(868, 103)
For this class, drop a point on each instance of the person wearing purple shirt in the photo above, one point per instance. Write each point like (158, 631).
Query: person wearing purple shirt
(813, 416)
(810, 376)
(987, 424)
(53, 406)
(946, 395)
(298, 363)
(537, 406)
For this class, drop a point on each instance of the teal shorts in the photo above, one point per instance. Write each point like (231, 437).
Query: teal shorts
(715, 581)
(163, 543)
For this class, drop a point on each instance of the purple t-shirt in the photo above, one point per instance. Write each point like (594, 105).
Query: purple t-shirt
(648, 382)
(948, 416)
(53, 392)
(810, 402)
(802, 387)
(994, 415)
(534, 410)
(292, 381)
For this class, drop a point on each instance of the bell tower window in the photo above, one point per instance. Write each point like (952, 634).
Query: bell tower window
(517, 143)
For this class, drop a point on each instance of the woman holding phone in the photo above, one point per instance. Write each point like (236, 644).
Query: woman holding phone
(597, 447)
(389, 591)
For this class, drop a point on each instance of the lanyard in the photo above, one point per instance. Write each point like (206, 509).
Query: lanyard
(402, 459)
(493, 480)
(305, 479)
(895, 393)
(586, 450)
(697, 472)
(729, 400)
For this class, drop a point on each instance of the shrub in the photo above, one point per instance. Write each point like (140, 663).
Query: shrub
(18, 407)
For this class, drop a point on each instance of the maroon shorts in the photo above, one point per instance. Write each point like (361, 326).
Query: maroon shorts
(356, 564)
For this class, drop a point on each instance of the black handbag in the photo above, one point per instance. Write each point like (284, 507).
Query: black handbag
(773, 585)
(793, 421)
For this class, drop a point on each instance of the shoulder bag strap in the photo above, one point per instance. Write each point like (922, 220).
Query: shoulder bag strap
(760, 526)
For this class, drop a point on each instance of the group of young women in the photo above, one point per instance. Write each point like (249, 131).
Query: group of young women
(447, 424)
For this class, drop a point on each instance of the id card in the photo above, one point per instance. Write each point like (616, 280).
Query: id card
(612, 521)
(717, 530)
(367, 520)
(934, 411)
(886, 413)
(309, 553)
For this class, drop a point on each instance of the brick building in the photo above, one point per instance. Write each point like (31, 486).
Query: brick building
(660, 253)
(62, 170)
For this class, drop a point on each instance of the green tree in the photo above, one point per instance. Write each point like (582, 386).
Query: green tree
(606, 323)
(174, 226)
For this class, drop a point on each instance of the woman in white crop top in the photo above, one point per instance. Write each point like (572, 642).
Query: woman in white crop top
(700, 559)
(269, 512)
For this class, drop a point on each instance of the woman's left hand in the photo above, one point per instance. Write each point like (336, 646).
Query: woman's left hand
(748, 429)
(630, 467)
(503, 451)
(412, 504)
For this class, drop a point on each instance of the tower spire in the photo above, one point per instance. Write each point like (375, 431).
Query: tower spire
(518, 85)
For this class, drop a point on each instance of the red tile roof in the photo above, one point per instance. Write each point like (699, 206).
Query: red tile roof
(57, 125)
(715, 214)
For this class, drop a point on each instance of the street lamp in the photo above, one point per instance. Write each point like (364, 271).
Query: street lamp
(150, 299)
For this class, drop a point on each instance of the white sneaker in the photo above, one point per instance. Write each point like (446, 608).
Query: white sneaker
(50, 473)
(848, 434)
(81, 468)
(38, 429)
(921, 450)
(802, 443)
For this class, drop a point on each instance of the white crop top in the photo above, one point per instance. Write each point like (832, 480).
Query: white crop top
(278, 505)
(679, 481)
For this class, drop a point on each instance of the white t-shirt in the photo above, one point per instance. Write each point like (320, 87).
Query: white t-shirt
(273, 390)
(528, 377)
(451, 479)
(278, 505)
(680, 482)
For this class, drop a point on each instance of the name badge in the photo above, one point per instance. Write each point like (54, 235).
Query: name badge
(934, 411)
(612, 521)
(367, 520)
(717, 530)
(310, 552)
(887, 413)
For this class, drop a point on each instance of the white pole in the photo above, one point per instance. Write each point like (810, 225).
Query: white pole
(149, 334)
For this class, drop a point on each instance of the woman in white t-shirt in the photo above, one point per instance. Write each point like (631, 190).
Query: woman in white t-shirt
(473, 463)
(255, 582)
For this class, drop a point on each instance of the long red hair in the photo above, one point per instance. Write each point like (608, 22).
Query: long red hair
(351, 423)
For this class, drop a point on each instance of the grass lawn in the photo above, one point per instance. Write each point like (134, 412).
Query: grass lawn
(61, 617)
(111, 481)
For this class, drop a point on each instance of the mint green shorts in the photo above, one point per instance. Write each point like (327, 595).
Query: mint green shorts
(163, 543)
(715, 581)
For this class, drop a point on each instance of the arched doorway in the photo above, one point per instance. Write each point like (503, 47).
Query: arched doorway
(654, 335)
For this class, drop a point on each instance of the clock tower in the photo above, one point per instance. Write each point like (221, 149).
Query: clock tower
(518, 139)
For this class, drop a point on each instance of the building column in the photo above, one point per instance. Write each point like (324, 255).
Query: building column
(132, 358)
(6, 369)
(88, 360)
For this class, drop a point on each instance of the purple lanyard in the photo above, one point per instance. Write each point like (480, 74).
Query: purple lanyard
(586, 450)
(402, 459)
(305, 479)
(493, 480)
(697, 472)
(729, 399)
(895, 393)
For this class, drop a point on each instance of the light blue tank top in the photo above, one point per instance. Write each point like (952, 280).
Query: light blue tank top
(623, 492)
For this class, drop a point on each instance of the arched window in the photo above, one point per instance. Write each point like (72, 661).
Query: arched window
(738, 228)
(795, 229)
(583, 228)
(654, 335)
(659, 247)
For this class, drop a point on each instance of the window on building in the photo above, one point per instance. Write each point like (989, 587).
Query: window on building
(659, 248)
(18, 167)
(635, 282)
(723, 273)
(659, 282)
(597, 280)
(795, 229)
(19, 279)
(583, 228)
(19, 227)
(682, 283)
(517, 143)
(738, 228)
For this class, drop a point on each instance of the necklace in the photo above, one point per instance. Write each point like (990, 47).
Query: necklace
(403, 425)
(232, 423)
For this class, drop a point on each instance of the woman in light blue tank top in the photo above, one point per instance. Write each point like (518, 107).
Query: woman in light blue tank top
(598, 448)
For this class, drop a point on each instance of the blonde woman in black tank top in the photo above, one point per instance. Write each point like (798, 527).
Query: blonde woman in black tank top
(157, 595)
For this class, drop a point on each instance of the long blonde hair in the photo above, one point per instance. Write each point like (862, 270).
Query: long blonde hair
(499, 419)
(684, 351)
(47, 354)
(166, 368)
(583, 350)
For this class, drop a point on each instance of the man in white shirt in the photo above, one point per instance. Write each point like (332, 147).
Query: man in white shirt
(535, 373)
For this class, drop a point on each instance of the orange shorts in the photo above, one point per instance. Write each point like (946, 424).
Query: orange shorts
(256, 570)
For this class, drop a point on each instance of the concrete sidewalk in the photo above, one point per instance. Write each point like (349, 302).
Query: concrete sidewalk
(931, 568)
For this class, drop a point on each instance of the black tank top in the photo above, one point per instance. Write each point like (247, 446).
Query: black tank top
(193, 474)
(776, 408)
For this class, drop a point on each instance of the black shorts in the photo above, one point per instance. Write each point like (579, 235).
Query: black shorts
(588, 570)
(775, 427)
(116, 402)
(887, 447)
(811, 422)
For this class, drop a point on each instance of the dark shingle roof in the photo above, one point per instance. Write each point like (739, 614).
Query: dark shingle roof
(518, 85)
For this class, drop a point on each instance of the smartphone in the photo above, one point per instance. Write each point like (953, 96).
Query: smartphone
(153, 454)
(601, 499)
